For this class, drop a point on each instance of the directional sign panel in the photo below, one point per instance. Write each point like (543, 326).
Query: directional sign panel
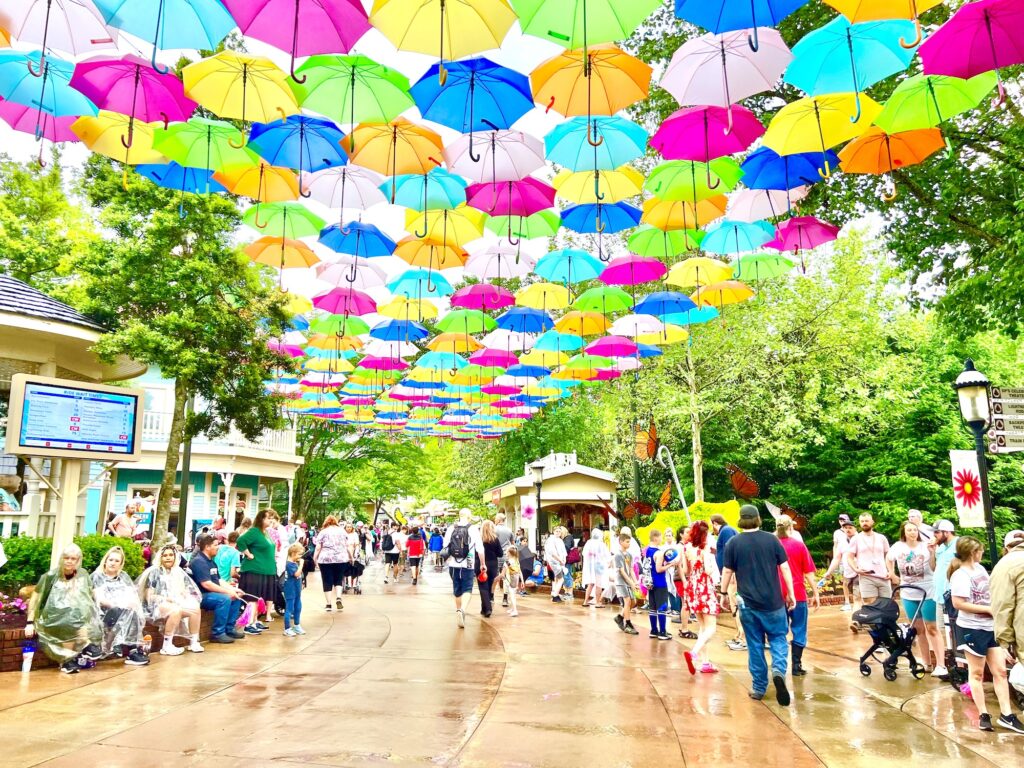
(1008, 425)
(1008, 393)
(1003, 408)
(1007, 443)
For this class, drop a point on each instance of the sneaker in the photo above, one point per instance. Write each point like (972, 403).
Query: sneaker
(261, 626)
(338, 605)
(385, 581)
(708, 668)
(655, 635)
(70, 667)
(1010, 722)
(136, 658)
(689, 662)
(619, 621)
(677, 620)
(222, 639)
(93, 652)
(171, 650)
(504, 602)
(298, 630)
(556, 599)
(252, 631)
(846, 608)
(781, 692)
(940, 672)
(756, 695)
(735, 644)
(985, 722)
(196, 647)
(664, 636)
(629, 629)
(327, 607)
(414, 582)
(513, 614)
(290, 632)
(236, 634)
(460, 618)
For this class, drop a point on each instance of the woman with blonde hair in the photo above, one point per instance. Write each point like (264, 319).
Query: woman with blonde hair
(171, 599)
(123, 619)
(489, 570)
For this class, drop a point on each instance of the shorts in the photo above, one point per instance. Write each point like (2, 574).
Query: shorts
(872, 587)
(414, 562)
(462, 580)
(927, 609)
(977, 641)
(331, 574)
(657, 600)
(390, 558)
(622, 592)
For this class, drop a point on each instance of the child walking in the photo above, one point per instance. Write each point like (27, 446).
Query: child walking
(626, 587)
(512, 577)
(293, 591)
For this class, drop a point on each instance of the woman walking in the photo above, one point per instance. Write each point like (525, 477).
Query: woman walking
(489, 571)
(331, 555)
(595, 563)
(258, 574)
(914, 560)
(554, 557)
(700, 589)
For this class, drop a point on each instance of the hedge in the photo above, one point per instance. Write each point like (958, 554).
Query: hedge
(29, 558)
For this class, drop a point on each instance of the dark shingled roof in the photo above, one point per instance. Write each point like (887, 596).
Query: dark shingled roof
(17, 298)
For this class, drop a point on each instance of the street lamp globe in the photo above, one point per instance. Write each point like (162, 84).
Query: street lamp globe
(537, 470)
(972, 390)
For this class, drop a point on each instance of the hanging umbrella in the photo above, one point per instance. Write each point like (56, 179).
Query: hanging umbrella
(466, 321)
(600, 80)
(301, 27)
(450, 29)
(729, 15)
(662, 304)
(5, 38)
(454, 343)
(750, 205)
(677, 214)
(545, 358)
(493, 358)
(453, 227)
(620, 141)
(194, 181)
(352, 89)
(73, 27)
(545, 296)
(50, 92)
(431, 254)
(697, 272)
(504, 156)
(877, 152)
(802, 233)
(357, 239)
(401, 307)
(632, 270)
(579, 23)
(399, 330)
(605, 299)
(212, 145)
(511, 198)
(483, 296)
(980, 37)
(722, 69)
(130, 86)
(612, 346)
(636, 325)
(394, 148)
(441, 360)
(544, 223)
(525, 320)
(596, 186)
(438, 189)
(761, 266)
(764, 168)
(841, 57)
(876, 10)
(819, 123)
(924, 101)
(736, 236)
(357, 272)
(240, 87)
(691, 180)
(692, 316)
(344, 187)
(339, 326)
(723, 293)
(557, 341)
(600, 217)
(705, 133)
(498, 262)
(263, 183)
(104, 132)
(284, 220)
(418, 283)
(170, 24)
(306, 144)
(669, 334)
(345, 301)
(38, 123)
(568, 266)
(281, 253)
(658, 244)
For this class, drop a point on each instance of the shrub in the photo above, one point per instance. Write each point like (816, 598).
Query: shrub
(29, 558)
(701, 510)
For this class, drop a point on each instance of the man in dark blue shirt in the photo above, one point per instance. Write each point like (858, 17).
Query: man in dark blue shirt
(723, 533)
(224, 600)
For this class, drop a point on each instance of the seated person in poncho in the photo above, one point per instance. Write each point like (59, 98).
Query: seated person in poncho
(171, 599)
(63, 614)
(120, 609)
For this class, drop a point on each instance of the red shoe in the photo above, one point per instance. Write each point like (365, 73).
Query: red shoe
(689, 662)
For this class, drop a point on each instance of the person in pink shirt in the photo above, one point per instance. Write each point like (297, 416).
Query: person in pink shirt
(801, 565)
(866, 555)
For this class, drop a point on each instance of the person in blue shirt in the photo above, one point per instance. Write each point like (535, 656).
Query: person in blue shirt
(657, 597)
(225, 600)
(723, 532)
(293, 591)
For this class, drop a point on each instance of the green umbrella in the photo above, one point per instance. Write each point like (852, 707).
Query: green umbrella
(541, 224)
(200, 143)
(691, 180)
(289, 220)
(659, 244)
(924, 101)
(589, 362)
(466, 321)
(760, 266)
(582, 22)
(352, 89)
(604, 299)
(339, 324)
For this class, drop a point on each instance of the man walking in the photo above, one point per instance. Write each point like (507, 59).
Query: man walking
(867, 557)
(504, 541)
(755, 558)
(462, 545)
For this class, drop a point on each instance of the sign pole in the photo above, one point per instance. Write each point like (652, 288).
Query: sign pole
(67, 513)
(986, 495)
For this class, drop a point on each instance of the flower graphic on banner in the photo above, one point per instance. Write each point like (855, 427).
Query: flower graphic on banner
(528, 512)
(967, 487)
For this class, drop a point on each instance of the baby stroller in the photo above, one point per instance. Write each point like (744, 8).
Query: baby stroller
(888, 636)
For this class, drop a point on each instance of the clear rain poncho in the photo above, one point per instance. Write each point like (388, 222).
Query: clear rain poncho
(120, 608)
(66, 617)
(161, 589)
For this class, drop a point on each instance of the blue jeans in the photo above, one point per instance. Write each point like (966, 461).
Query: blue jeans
(675, 603)
(758, 625)
(462, 581)
(798, 624)
(292, 602)
(225, 611)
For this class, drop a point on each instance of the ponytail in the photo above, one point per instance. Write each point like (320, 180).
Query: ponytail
(954, 566)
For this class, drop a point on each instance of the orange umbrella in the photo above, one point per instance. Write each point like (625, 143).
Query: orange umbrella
(5, 38)
(264, 183)
(878, 152)
(430, 253)
(669, 215)
(599, 80)
(580, 323)
(720, 294)
(281, 252)
(458, 343)
(394, 148)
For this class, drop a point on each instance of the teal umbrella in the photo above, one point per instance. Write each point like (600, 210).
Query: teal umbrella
(728, 236)
(623, 141)
(437, 190)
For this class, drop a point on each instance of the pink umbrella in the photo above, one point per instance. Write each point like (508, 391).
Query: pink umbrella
(285, 349)
(705, 133)
(801, 233)
(612, 346)
(979, 37)
(500, 389)
(357, 401)
(505, 404)
(345, 301)
(504, 156)
(752, 205)
(511, 198)
(483, 296)
(606, 374)
(131, 86)
(302, 27)
(407, 397)
(383, 363)
(632, 270)
(497, 358)
(42, 124)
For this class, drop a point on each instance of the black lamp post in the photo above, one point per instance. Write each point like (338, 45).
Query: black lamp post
(537, 470)
(972, 390)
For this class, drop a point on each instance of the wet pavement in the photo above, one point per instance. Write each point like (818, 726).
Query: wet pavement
(392, 680)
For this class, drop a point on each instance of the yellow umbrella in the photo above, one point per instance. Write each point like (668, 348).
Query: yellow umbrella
(455, 227)
(672, 334)
(332, 341)
(394, 148)
(599, 186)
(881, 10)
(297, 305)
(402, 308)
(599, 80)
(546, 358)
(430, 254)
(698, 271)
(458, 343)
(575, 374)
(679, 214)
(546, 296)
(720, 294)
(240, 87)
(580, 323)
(264, 182)
(282, 253)
(536, 390)
(450, 28)
(105, 134)
(332, 364)
(815, 124)
(473, 379)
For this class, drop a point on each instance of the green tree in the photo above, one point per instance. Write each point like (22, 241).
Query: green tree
(391, 473)
(176, 294)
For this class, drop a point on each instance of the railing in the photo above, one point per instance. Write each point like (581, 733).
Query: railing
(156, 428)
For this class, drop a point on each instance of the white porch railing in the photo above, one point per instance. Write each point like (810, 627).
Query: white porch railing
(156, 428)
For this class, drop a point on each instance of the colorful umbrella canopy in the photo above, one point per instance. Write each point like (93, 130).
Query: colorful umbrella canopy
(173, 176)
(50, 92)
(73, 27)
(483, 296)
(345, 301)
(282, 253)
(420, 284)
(545, 296)
(569, 266)
(344, 187)
(431, 254)
(357, 239)
(728, 15)
(595, 186)
(619, 141)
(352, 89)
(752, 205)
(511, 198)
(605, 299)
(764, 168)
(632, 270)
(360, 274)
(401, 307)
(544, 223)
(601, 217)
(214, 145)
(264, 183)
(579, 23)
(720, 294)
(435, 190)
(698, 271)
(283, 220)
(662, 304)
(104, 133)
(693, 181)
(500, 262)
(503, 156)
(736, 236)
(875, 10)
(877, 152)
(240, 87)
(679, 214)
(600, 80)
(659, 244)
(525, 320)
(803, 232)
(40, 124)
(761, 266)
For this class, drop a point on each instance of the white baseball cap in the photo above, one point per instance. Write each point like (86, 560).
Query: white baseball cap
(944, 525)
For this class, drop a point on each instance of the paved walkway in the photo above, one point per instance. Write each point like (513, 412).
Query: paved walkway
(393, 681)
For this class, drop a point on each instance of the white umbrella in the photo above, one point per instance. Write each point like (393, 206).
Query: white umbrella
(345, 187)
(636, 325)
(74, 27)
(752, 205)
(500, 338)
(500, 156)
(347, 270)
(500, 261)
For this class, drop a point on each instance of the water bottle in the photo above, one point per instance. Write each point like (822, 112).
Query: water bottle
(28, 651)
(821, 584)
(147, 641)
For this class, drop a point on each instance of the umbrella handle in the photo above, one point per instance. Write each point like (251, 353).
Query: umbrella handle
(182, 213)
(752, 40)
(917, 31)
(300, 79)
(127, 142)
(599, 139)
(716, 185)
(256, 219)
(353, 274)
(551, 103)
(598, 195)
(474, 158)
(124, 178)
(728, 125)
(827, 173)
(1000, 93)
(511, 240)
(306, 194)
(442, 74)
(166, 119)
(599, 226)
(426, 228)
(160, 69)
(856, 100)
(42, 163)
(42, 59)
(950, 152)
(233, 145)
(893, 196)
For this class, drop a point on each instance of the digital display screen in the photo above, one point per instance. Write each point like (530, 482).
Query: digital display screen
(73, 419)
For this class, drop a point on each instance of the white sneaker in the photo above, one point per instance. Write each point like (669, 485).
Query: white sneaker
(846, 607)
(171, 650)
(196, 647)
(940, 672)
(513, 614)
(298, 630)
(290, 632)
(460, 618)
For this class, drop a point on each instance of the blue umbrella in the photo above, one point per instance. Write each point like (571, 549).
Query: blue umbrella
(399, 330)
(441, 361)
(420, 284)
(524, 371)
(173, 176)
(693, 316)
(730, 15)
(569, 266)
(553, 341)
(414, 384)
(357, 239)
(662, 303)
(648, 350)
(307, 144)
(567, 144)
(765, 168)
(437, 190)
(727, 236)
(50, 93)
(600, 217)
(525, 320)
(477, 95)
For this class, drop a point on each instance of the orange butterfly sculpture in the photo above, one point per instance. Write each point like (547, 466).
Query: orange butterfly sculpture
(646, 442)
(666, 495)
(636, 508)
(799, 521)
(743, 485)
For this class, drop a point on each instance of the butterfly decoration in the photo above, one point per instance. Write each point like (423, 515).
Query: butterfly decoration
(799, 521)
(666, 496)
(635, 509)
(646, 442)
(743, 485)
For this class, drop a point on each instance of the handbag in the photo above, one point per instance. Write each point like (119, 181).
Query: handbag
(246, 617)
(573, 557)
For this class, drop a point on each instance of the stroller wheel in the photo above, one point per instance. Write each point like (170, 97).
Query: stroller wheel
(865, 669)
(918, 671)
(890, 674)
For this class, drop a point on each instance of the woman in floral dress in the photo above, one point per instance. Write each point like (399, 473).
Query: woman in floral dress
(701, 589)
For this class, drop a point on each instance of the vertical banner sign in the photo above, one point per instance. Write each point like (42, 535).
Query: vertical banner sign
(967, 489)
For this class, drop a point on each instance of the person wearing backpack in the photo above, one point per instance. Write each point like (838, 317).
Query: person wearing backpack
(652, 575)
(462, 547)
(389, 546)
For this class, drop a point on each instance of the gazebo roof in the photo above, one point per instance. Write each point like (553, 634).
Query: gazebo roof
(18, 298)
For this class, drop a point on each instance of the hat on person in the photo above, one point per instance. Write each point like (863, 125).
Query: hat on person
(845, 520)
(1013, 539)
(944, 525)
(749, 511)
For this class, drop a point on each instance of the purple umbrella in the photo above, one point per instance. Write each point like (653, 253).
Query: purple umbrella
(511, 198)
(129, 85)
(706, 133)
(978, 38)
(803, 232)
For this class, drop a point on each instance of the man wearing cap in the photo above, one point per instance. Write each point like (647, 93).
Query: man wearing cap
(841, 545)
(755, 558)
(944, 540)
(1006, 585)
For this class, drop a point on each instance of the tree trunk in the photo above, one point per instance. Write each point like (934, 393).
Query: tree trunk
(695, 425)
(174, 441)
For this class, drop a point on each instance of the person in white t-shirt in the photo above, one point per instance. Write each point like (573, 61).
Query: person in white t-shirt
(840, 546)
(401, 537)
(916, 517)
(912, 566)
